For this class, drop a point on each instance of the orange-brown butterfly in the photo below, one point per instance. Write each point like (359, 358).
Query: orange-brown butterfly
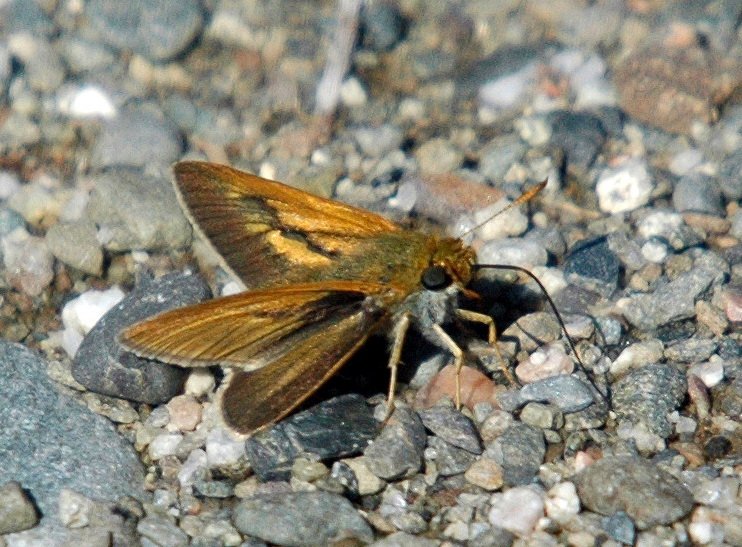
(322, 276)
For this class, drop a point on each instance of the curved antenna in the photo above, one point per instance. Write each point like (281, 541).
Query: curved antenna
(558, 316)
(526, 196)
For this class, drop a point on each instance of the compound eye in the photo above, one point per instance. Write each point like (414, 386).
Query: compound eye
(435, 278)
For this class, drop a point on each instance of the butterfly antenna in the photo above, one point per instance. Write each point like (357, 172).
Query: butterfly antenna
(526, 196)
(558, 316)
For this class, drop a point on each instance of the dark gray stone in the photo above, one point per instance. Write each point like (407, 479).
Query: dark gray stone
(49, 441)
(104, 366)
(453, 427)
(620, 527)
(649, 495)
(580, 135)
(520, 451)
(449, 459)
(648, 394)
(162, 532)
(398, 450)
(336, 428)
(730, 176)
(137, 211)
(300, 518)
(593, 260)
(137, 138)
(156, 29)
(698, 193)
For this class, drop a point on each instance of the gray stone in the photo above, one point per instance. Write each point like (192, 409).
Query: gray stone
(104, 366)
(564, 391)
(542, 416)
(162, 532)
(76, 244)
(383, 26)
(156, 29)
(83, 55)
(671, 302)
(137, 138)
(648, 395)
(300, 518)
(49, 441)
(453, 427)
(335, 428)
(730, 176)
(498, 155)
(403, 539)
(398, 450)
(692, 350)
(698, 193)
(136, 211)
(17, 512)
(449, 459)
(520, 452)
(649, 495)
(593, 261)
(620, 527)
(580, 136)
(24, 16)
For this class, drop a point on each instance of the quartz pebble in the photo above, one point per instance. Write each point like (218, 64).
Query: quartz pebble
(517, 510)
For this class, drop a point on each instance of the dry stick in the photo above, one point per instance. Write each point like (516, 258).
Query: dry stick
(338, 58)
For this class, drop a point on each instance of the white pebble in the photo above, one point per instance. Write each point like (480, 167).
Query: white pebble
(194, 463)
(9, 184)
(545, 362)
(87, 101)
(625, 188)
(515, 252)
(74, 509)
(641, 353)
(518, 510)
(28, 263)
(231, 287)
(562, 502)
(655, 251)
(352, 93)
(223, 450)
(406, 197)
(509, 90)
(711, 372)
(659, 223)
(163, 445)
(82, 313)
(494, 222)
(200, 382)
(71, 340)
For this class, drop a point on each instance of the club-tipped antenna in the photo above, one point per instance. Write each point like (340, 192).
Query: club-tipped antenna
(525, 197)
(558, 316)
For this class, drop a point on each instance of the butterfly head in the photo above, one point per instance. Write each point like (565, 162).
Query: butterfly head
(452, 262)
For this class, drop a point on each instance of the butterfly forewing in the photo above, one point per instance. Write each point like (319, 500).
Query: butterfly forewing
(268, 233)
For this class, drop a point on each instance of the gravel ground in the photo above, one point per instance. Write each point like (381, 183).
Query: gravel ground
(433, 114)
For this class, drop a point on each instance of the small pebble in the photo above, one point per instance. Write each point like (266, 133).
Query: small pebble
(543, 363)
(74, 509)
(28, 263)
(82, 313)
(637, 355)
(625, 188)
(17, 510)
(518, 510)
(162, 532)
(185, 412)
(165, 444)
(562, 502)
(710, 373)
(222, 449)
(485, 473)
(193, 467)
(200, 382)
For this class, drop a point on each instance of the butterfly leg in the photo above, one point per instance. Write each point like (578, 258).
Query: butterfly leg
(484, 319)
(400, 331)
(458, 359)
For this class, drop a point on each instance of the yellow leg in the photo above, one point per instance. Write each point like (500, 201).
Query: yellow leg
(484, 319)
(458, 359)
(400, 331)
